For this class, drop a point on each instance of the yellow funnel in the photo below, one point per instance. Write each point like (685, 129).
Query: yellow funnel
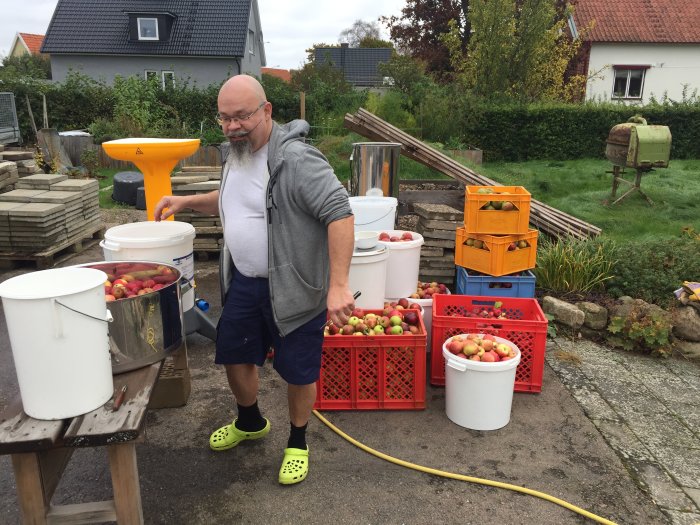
(156, 159)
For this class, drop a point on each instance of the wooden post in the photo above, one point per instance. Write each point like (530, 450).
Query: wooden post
(302, 104)
(31, 117)
(46, 115)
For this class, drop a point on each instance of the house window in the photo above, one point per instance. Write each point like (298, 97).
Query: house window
(150, 73)
(251, 42)
(168, 79)
(148, 28)
(629, 81)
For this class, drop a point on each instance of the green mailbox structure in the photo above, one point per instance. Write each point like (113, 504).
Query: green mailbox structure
(636, 145)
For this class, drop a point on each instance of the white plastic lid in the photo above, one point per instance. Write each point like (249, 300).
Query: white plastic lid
(150, 234)
(374, 202)
(377, 250)
(52, 283)
(137, 140)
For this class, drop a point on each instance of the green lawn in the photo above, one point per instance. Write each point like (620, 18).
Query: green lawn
(582, 188)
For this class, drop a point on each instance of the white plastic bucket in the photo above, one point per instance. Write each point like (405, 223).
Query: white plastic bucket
(367, 276)
(57, 323)
(479, 395)
(168, 242)
(374, 213)
(403, 265)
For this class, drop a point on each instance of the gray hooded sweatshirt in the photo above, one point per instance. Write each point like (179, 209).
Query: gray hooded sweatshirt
(303, 197)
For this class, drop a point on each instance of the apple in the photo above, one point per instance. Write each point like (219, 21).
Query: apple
(379, 329)
(512, 246)
(396, 330)
(121, 282)
(358, 312)
(109, 298)
(384, 236)
(411, 317)
(404, 302)
(502, 349)
(353, 320)
(507, 206)
(455, 346)
(522, 244)
(395, 320)
(407, 236)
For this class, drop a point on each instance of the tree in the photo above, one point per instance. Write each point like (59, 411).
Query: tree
(31, 66)
(518, 49)
(422, 23)
(311, 51)
(360, 31)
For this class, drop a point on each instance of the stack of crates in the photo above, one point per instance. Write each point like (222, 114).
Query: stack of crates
(494, 253)
(495, 250)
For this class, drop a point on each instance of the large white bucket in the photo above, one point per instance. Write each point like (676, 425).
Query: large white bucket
(403, 265)
(57, 322)
(367, 276)
(374, 213)
(169, 242)
(479, 395)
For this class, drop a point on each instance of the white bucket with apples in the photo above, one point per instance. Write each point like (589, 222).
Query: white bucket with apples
(57, 323)
(374, 213)
(368, 275)
(404, 261)
(169, 242)
(479, 394)
(427, 305)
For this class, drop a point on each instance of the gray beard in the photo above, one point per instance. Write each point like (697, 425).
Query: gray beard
(240, 154)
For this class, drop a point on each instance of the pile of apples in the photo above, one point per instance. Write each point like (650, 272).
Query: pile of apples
(482, 312)
(480, 347)
(126, 280)
(405, 236)
(481, 245)
(427, 290)
(397, 318)
(496, 205)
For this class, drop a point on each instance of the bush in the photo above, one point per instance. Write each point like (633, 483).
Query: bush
(651, 270)
(572, 266)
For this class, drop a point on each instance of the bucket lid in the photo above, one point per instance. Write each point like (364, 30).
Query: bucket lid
(372, 201)
(150, 234)
(56, 282)
(371, 252)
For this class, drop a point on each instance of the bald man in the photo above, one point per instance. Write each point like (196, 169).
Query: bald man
(288, 242)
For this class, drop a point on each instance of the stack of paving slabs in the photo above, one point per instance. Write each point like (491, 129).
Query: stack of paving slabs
(24, 161)
(74, 221)
(495, 239)
(8, 175)
(89, 190)
(41, 181)
(5, 236)
(209, 235)
(437, 224)
(36, 226)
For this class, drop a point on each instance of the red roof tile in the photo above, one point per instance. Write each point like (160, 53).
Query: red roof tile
(33, 42)
(658, 21)
(283, 74)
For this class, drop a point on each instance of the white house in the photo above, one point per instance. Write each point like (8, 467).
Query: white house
(638, 49)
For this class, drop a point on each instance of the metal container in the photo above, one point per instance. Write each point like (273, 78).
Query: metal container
(375, 169)
(145, 328)
(618, 142)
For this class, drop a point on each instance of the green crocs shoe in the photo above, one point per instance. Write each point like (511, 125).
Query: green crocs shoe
(295, 466)
(229, 436)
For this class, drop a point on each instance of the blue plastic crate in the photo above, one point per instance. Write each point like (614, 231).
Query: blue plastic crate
(521, 284)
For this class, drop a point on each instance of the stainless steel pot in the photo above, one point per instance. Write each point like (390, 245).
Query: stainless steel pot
(145, 328)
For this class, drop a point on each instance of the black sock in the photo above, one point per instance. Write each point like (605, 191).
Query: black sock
(249, 418)
(297, 437)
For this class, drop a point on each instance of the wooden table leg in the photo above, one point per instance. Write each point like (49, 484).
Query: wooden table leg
(32, 499)
(125, 483)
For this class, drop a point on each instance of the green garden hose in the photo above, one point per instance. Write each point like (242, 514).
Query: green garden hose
(461, 477)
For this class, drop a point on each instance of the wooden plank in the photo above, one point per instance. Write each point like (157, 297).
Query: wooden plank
(125, 483)
(30, 489)
(104, 426)
(82, 513)
(21, 433)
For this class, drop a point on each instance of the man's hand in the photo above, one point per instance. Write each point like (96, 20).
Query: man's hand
(340, 305)
(167, 206)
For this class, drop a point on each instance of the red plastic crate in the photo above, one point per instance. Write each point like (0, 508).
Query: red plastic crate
(385, 372)
(526, 326)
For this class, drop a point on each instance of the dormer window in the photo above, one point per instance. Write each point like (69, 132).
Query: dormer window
(148, 28)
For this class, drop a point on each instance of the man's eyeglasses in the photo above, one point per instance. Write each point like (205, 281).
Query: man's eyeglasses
(222, 119)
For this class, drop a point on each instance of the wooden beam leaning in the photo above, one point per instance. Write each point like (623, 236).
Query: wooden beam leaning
(551, 221)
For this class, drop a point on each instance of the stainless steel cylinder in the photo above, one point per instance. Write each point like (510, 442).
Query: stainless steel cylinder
(374, 169)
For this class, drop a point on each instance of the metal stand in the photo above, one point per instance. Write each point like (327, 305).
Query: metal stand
(635, 186)
(197, 321)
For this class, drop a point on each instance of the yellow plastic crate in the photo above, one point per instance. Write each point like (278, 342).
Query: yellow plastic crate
(493, 254)
(484, 213)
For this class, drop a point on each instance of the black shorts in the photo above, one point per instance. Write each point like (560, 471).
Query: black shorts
(247, 330)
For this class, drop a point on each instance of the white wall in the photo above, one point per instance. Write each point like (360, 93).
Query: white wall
(672, 66)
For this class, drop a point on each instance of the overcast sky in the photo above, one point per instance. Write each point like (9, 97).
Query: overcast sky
(289, 27)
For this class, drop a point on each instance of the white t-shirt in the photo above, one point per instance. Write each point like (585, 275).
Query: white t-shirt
(244, 207)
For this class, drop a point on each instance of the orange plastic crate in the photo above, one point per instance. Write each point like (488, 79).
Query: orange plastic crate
(386, 372)
(495, 258)
(478, 220)
(526, 327)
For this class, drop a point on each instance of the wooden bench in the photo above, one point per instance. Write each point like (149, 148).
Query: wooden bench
(41, 450)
